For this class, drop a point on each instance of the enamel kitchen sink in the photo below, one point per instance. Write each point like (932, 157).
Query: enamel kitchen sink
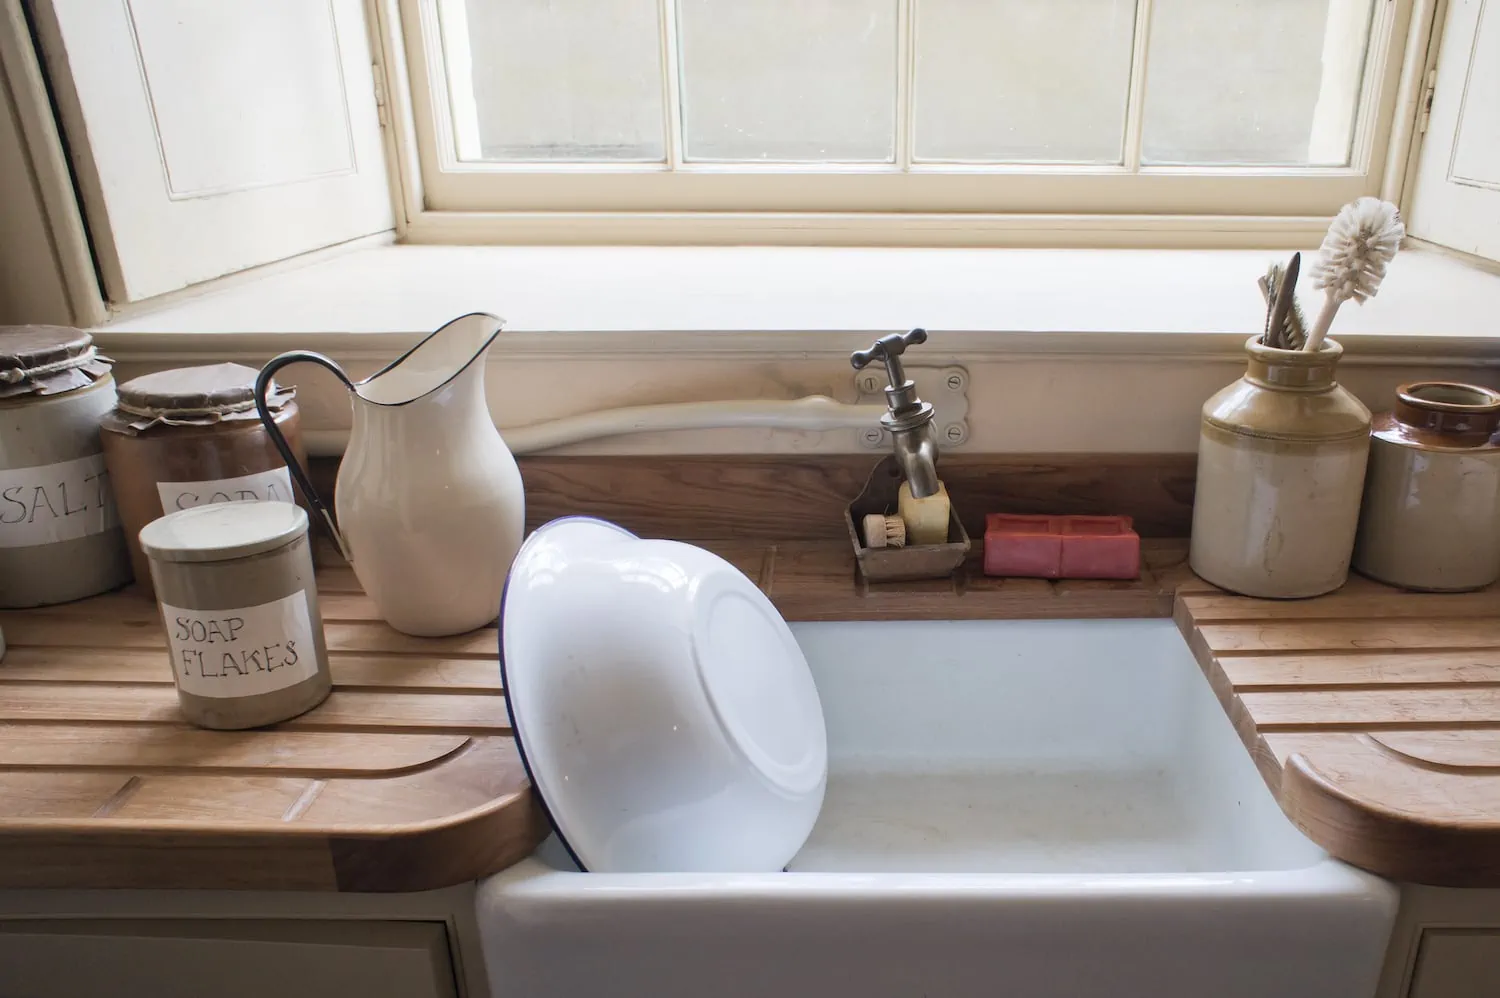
(1058, 809)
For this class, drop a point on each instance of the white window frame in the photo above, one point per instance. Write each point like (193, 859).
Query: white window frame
(445, 200)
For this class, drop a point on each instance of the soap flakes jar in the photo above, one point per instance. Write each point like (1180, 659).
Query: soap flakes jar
(235, 585)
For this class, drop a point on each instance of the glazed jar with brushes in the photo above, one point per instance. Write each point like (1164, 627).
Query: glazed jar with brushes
(1281, 465)
(190, 436)
(234, 582)
(1282, 451)
(1431, 515)
(60, 535)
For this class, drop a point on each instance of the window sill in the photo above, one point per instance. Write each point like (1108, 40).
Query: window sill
(798, 302)
(1059, 345)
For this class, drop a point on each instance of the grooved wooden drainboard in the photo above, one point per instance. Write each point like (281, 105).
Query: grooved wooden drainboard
(1374, 715)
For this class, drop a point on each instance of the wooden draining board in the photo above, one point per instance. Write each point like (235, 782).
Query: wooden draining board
(405, 778)
(1373, 715)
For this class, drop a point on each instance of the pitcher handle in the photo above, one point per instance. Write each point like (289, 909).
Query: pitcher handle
(304, 482)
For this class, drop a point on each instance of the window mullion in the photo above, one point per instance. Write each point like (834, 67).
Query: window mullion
(906, 72)
(1136, 101)
(671, 81)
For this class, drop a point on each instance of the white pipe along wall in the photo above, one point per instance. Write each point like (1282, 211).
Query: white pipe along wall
(815, 412)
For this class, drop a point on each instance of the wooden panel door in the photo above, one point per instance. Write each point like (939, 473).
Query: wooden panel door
(225, 958)
(1457, 963)
(1456, 200)
(212, 137)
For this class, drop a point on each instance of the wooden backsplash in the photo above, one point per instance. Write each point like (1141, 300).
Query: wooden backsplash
(785, 497)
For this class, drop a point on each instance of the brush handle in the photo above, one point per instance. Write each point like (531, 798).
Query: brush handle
(1286, 293)
(1331, 305)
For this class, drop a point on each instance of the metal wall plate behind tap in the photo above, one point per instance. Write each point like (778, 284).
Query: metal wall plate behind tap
(947, 388)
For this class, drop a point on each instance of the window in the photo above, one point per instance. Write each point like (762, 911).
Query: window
(1207, 108)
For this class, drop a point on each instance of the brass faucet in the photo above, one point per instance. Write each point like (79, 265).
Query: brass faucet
(909, 419)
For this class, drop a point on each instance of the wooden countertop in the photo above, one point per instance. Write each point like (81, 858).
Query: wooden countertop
(405, 778)
(1373, 715)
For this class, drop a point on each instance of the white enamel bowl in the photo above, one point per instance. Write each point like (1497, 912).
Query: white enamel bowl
(663, 709)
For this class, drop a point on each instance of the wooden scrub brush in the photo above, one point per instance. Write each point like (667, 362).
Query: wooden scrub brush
(884, 531)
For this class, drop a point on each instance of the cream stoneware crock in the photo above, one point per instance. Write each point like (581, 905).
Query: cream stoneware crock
(1431, 516)
(1281, 465)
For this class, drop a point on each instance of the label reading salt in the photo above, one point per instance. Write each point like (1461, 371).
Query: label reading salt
(55, 502)
(243, 652)
(267, 486)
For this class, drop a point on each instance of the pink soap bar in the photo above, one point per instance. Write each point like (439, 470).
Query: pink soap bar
(1029, 546)
(1061, 547)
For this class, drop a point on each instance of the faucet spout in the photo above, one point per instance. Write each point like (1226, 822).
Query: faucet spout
(916, 454)
(908, 419)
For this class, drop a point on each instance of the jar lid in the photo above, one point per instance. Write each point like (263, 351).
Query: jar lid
(47, 360)
(196, 396)
(223, 530)
(1466, 413)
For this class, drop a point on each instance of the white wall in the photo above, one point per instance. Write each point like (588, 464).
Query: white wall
(1018, 404)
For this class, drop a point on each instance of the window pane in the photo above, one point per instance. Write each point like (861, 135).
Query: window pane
(788, 80)
(555, 79)
(1254, 81)
(1021, 81)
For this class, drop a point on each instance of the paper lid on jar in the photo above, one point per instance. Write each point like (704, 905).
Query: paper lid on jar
(223, 530)
(195, 396)
(47, 360)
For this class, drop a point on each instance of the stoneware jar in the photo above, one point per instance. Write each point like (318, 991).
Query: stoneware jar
(1281, 465)
(235, 585)
(60, 536)
(1431, 515)
(190, 436)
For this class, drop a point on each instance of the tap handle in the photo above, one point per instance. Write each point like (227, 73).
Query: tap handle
(888, 350)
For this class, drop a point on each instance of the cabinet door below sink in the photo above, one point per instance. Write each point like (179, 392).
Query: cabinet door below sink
(1457, 963)
(226, 958)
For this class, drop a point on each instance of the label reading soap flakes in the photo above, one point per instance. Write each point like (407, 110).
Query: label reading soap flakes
(243, 652)
(55, 502)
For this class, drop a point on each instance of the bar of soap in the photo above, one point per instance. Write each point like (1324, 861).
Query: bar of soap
(1022, 546)
(1100, 547)
(926, 519)
(1061, 547)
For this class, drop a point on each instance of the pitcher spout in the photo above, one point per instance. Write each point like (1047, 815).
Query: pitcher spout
(424, 370)
(432, 363)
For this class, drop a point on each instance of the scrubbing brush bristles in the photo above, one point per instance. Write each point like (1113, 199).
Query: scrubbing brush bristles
(1360, 244)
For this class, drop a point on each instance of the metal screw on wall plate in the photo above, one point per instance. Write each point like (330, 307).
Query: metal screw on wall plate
(955, 433)
(869, 382)
(872, 436)
(955, 382)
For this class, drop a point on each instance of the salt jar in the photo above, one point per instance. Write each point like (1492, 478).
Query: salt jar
(234, 582)
(1431, 514)
(1281, 466)
(189, 436)
(60, 536)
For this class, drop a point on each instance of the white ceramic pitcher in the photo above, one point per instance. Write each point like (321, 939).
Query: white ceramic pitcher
(429, 499)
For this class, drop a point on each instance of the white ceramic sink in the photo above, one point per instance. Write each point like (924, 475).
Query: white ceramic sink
(1056, 809)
